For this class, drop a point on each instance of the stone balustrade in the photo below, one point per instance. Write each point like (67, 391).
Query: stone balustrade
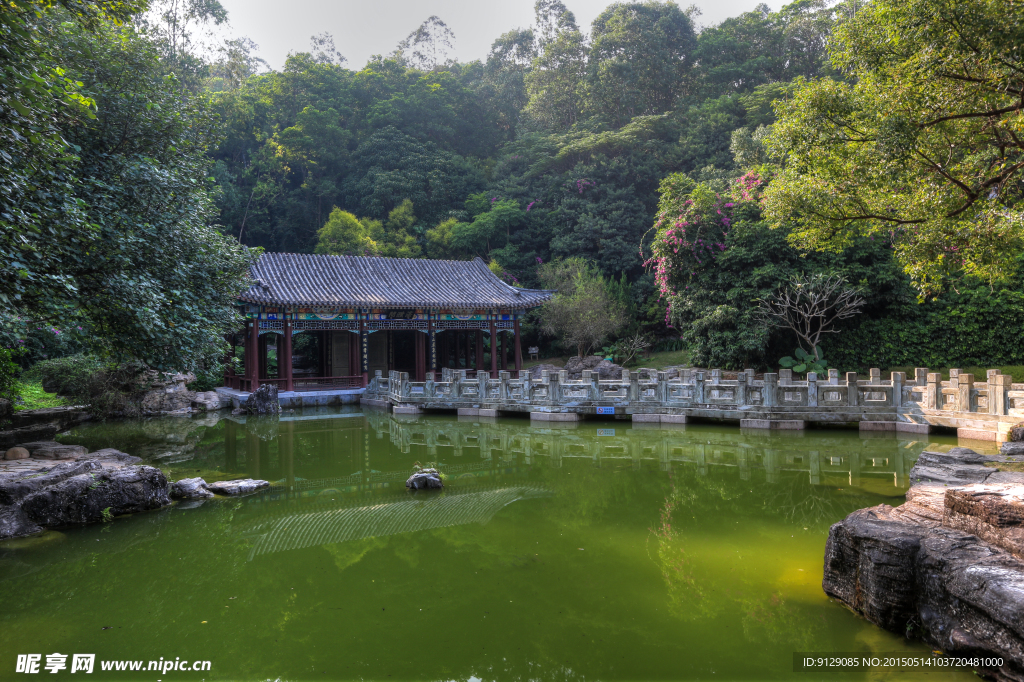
(985, 410)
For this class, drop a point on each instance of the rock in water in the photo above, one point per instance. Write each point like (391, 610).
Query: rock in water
(424, 479)
(263, 401)
(190, 489)
(76, 493)
(242, 486)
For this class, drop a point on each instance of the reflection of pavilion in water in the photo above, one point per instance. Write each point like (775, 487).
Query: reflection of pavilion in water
(484, 461)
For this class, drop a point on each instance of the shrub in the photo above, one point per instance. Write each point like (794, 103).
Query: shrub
(9, 372)
(107, 388)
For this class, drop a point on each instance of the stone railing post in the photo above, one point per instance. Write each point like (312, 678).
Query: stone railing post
(503, 377)
(933, 392)
(920, 376)
(481, 391)
(852, 392)
(997, 388)
(898, 381)
(874, 376)
(633, 392)
(661, 388)
(812, 389)
(833, 377)
(785, 377)
(563, 377)
(741, 389)
(716, 377)
(750, 376)
(770, 393)
(554, 387)
(428, 386)
(587, 377)
(698, 388)
(964, 399)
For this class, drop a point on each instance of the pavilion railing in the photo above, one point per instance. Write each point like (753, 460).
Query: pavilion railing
(241, 383)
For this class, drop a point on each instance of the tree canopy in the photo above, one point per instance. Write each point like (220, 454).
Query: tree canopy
(921, 142)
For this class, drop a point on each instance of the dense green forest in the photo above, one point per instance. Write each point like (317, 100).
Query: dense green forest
(140, 167)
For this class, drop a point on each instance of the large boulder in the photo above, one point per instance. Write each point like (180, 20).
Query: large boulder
(77, 493)
(263, 401)
(243, 486)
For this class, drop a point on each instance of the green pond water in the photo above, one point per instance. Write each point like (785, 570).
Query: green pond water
(600, 551)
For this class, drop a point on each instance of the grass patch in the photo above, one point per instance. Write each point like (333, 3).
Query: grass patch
(36, 398)
(655, 361)
(1015, 466)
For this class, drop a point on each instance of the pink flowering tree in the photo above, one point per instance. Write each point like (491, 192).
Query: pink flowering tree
(691, 231)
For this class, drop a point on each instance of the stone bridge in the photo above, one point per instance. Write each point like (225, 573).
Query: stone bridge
(980, 410)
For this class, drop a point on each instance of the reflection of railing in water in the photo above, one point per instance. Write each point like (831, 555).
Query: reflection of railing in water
(819, 455)
(404, 513)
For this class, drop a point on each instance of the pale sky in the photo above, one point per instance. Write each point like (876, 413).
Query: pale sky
(361, 28)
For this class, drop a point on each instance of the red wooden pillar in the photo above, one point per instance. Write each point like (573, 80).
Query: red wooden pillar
(494, 351)
(364, 341)
(504, 351)
(479, 349)
(432, 351)
(252, 352)
(262, 346)
(284, 356)
(420, 357)
(518, 351)
(353, 354)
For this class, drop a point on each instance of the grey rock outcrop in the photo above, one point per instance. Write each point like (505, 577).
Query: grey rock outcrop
(959, 466)
(190, 489)
(244, 486)
(58, 451)
(604, 369)
(77, 493)
(425, 479)
(954, 590)
(210, 401)
(166, 393)
(1012, 449)
(536, 370)
(946, 566)
(263, 401)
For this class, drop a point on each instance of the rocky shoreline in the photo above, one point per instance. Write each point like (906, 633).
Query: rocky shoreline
(46, 485)
(947, 566)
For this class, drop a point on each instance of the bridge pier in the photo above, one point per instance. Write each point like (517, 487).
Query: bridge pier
(774, 424)
(554, 416)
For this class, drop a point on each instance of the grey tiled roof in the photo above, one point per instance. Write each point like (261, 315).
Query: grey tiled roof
(371, 282)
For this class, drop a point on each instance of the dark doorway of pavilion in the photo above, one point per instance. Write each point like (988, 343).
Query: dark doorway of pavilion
(404, 351)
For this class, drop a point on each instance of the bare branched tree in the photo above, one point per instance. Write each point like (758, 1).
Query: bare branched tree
(632, 346)
(324, 51)
(427, 47)
(811, 306)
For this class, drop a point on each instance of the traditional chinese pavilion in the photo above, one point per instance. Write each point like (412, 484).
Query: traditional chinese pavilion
(361, 314)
